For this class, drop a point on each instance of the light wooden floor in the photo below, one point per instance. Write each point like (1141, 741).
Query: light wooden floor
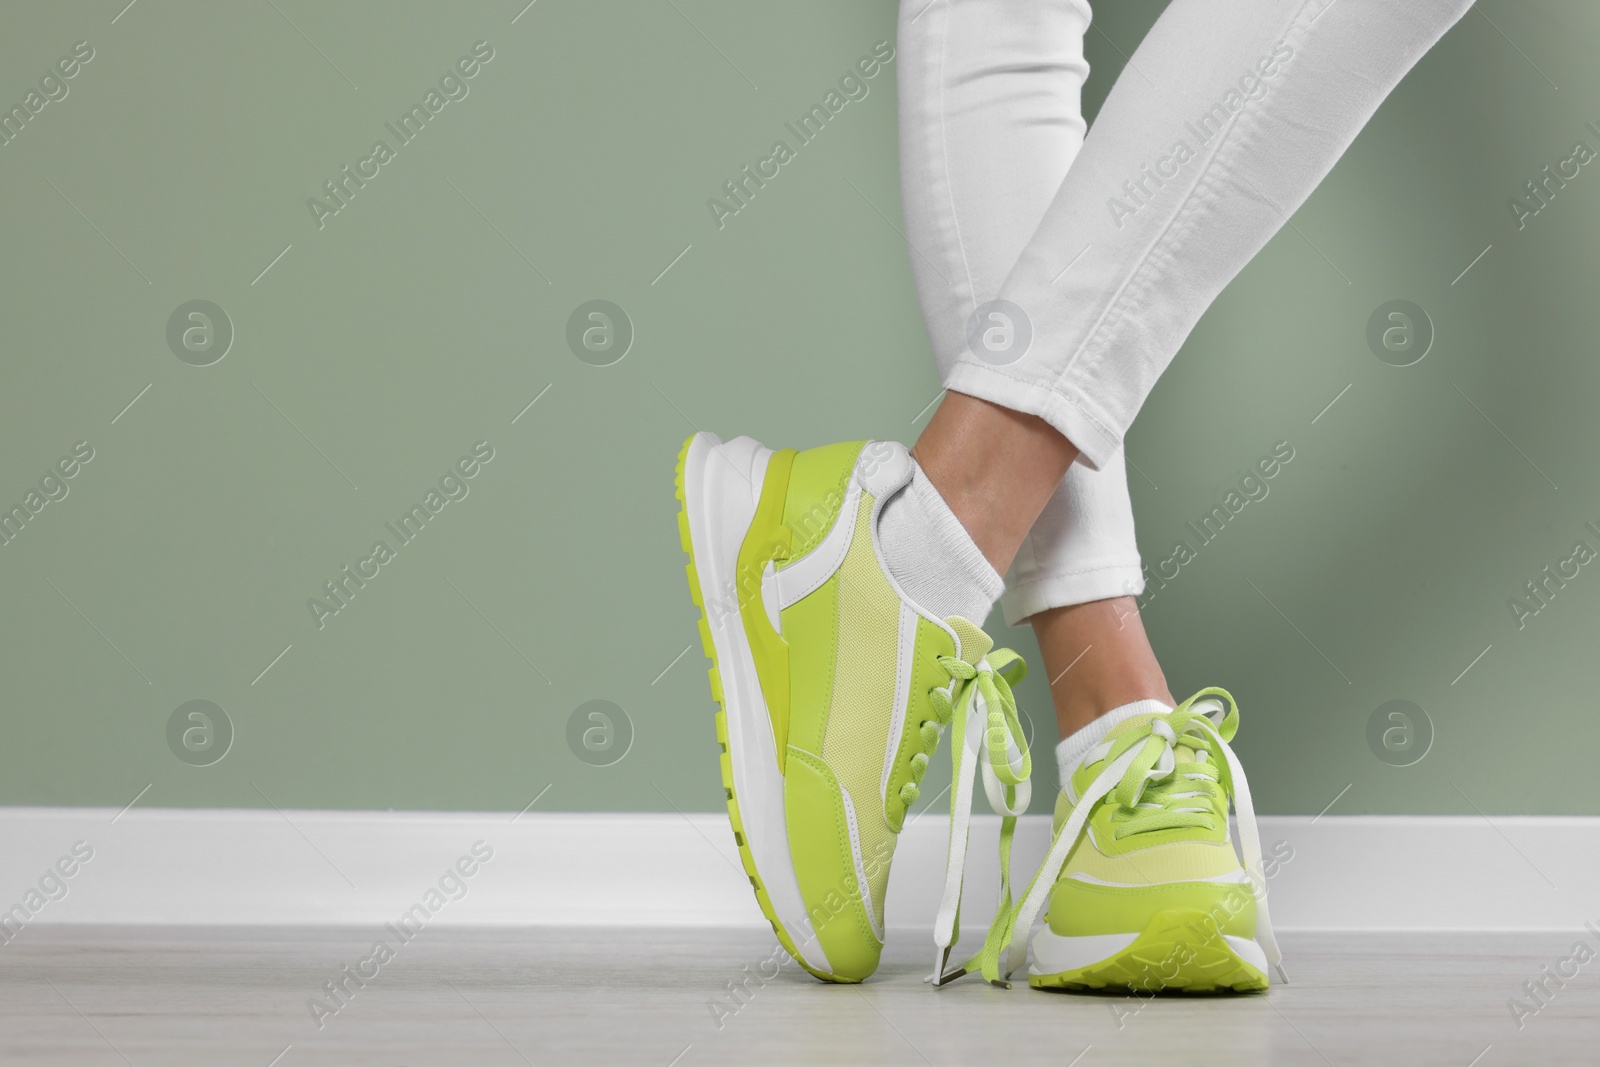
(89, 996)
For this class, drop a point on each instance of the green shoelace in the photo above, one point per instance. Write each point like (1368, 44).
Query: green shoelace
(1153, 791)
(981, 713)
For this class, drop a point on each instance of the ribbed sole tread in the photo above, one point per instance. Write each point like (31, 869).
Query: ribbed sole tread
(1178, 951)
(724, 758)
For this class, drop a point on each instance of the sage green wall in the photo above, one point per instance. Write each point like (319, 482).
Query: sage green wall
(424, 316)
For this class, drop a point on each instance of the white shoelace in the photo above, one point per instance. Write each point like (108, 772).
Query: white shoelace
(1195, 724)
(983, 716)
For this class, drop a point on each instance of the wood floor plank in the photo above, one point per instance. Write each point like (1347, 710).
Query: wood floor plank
(88, 996)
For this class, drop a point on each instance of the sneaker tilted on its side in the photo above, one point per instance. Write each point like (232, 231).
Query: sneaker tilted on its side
(835, 687)
(1144, 889)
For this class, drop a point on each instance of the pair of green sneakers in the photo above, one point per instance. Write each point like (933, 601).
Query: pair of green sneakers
(835, 690)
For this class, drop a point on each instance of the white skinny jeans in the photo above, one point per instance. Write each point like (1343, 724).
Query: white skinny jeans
(1104, 251)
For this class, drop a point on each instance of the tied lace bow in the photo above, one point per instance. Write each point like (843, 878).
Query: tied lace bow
(982, 715)
(1152, 791)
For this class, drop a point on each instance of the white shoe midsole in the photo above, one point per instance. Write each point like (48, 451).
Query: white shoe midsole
(1054, 953)
(721, 488)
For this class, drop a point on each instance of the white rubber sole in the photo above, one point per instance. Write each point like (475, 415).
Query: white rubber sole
(1053, 953)
(722, 486)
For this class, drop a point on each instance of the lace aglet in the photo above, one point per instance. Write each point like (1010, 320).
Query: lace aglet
(941, 956)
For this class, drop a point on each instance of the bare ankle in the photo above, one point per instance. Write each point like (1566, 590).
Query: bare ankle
(1074, 711)
(1099, 659)
(996, 469)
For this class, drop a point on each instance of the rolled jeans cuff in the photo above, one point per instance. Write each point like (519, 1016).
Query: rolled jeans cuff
(1068, 410)
(1032, 593)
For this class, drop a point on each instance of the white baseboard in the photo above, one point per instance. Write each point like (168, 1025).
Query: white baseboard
(250, 867)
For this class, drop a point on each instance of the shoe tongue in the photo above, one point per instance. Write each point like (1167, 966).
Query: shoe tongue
(975, 644)
(1134, 723)
(1183, 750)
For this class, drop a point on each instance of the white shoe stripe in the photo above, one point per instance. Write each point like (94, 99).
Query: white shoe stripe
(1234, 877)
(799, 579)
(902, 693)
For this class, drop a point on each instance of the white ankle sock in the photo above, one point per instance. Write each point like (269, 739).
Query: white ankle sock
(931, 555)
(1070, 752)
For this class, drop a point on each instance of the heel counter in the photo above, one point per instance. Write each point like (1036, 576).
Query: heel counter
(818, 482)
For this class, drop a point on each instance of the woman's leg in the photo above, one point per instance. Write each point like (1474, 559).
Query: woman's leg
(1226, 120)
(1077, 571)
(990, 122)
(1229, 115)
